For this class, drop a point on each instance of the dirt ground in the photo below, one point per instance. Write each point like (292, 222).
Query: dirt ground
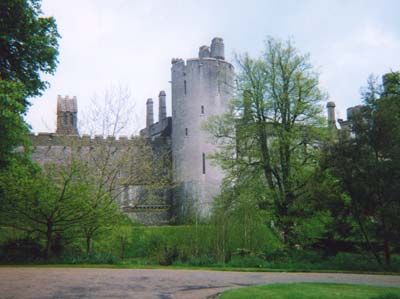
(73, 283)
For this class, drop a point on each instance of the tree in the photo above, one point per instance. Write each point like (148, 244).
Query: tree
(28, 44)
(118, 167)
(366, 161)
(46, 201)
(13, 129)
(273, 130)
(28, 47)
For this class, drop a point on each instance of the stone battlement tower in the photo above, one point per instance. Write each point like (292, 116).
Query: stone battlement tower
(201, 87)
(67, 115)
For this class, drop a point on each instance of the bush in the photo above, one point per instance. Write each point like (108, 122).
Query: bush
(95, 258)
(247, 262)
(201, 261)
(21, 250)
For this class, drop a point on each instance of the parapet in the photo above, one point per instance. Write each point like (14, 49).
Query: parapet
(67, 104)
(331, 105)
(51, 139)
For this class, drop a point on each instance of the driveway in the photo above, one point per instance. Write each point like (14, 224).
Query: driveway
(73, 283)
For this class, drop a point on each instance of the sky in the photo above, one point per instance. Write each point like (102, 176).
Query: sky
(130, 44)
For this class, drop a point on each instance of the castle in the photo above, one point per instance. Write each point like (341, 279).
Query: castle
(200, 87)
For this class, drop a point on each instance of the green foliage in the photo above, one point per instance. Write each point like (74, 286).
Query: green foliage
(53, 202)
(387, 296)
(268, 140)
(28, 45)
(13, 129)
(312, 291)
(366, 162)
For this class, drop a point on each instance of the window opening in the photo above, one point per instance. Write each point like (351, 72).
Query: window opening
(186, 131)
(202, 109)
(184, 86)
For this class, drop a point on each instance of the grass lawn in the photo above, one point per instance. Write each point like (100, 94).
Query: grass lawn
(313, 291)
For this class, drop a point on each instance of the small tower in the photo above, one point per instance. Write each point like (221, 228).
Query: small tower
(67, 115)
(149, 113)
(331, 114)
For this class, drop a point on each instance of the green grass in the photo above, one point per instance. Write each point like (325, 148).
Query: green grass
(313, 291)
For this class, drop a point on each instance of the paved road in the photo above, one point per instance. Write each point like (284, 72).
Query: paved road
(73, 283)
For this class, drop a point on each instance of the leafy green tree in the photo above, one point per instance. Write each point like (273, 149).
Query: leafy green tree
(272, 130)
(28, 48)
(46, 201)
(28, 44)
(366, 160)
(13, 129)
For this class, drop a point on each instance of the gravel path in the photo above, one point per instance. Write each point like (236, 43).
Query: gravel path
(73, 283)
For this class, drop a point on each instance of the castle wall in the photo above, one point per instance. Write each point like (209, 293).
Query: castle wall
(200, 88)
(121, 156)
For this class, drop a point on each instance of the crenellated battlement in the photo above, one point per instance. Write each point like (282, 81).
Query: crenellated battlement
(54, 139)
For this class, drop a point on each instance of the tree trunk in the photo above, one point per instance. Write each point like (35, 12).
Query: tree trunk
(88, 244)
(386, 247)
(49, 238)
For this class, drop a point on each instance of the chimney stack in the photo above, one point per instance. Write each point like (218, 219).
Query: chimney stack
(331, 113)
(149, 113)
(162, 106)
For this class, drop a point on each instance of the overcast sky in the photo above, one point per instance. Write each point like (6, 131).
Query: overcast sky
(130, 43)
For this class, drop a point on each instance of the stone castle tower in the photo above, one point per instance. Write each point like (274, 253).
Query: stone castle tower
(201, 87)
(67, 116)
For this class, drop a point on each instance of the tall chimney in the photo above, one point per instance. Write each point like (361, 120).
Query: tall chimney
(149, 113)
(331, 114)
(162, 106)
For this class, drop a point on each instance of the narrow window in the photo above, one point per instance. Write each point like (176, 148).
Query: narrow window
(186, 131)
(184, 86)
(204, 163)
(66, 119)
(202, 109)
(72, 119)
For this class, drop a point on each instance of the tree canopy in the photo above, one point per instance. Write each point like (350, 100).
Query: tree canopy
(28, 48)
(269, 137)
(28, 44)
(366, 160)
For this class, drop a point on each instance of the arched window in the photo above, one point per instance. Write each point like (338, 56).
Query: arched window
(202, 109)
(186, 131)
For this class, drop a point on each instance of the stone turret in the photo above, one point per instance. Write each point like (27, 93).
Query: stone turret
(149, 113)
(201, 87)
(204, 52)
(331, 114)
(162, 106)
(217, 48)
(67, 115)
